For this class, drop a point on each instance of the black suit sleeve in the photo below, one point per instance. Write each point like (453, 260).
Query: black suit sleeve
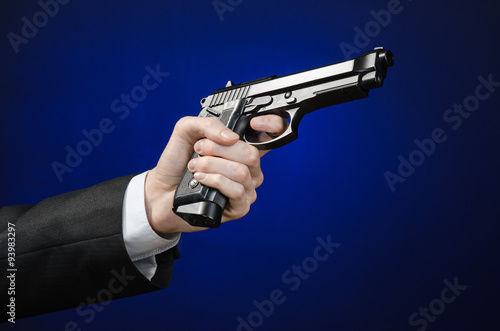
(70, 252)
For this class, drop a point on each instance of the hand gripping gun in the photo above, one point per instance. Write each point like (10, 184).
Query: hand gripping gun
(291, 96)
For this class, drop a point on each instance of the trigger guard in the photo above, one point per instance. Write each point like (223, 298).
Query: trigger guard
(273, 136)
(286, 137)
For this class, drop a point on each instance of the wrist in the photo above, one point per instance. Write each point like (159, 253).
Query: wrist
(158, 202)
(158, 205)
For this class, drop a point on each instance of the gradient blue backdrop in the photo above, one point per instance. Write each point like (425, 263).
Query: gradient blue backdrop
(396, 248)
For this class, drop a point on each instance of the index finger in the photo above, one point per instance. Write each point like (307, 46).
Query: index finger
(268, 124)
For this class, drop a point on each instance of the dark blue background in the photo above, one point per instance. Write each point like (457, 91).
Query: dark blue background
(397, 248)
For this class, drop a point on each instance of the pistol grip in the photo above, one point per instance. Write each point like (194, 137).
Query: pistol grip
(197, 204)
(200, 205)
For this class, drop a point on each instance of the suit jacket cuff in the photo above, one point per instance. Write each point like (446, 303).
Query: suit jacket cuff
(141, 241)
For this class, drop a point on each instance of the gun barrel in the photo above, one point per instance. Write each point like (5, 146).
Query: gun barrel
(376, 61)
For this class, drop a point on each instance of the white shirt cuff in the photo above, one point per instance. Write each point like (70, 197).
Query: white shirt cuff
(141, 241)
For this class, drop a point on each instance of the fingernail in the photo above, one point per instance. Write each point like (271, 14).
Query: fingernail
(200, 176)
(228, 134)
(192, 165)
(198, 146)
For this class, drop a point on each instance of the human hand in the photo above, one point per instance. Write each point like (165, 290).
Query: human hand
(228, 164)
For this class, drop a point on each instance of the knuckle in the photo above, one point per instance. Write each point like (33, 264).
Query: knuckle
(213, 120)
(183, 122)
(208, 147)
(242, 173)
(254, 197)
(239, 192)
(253, 156)
(213, 123)
(202, 164)
(259, 179)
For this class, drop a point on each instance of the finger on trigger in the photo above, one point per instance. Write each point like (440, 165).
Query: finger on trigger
(268, 123)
